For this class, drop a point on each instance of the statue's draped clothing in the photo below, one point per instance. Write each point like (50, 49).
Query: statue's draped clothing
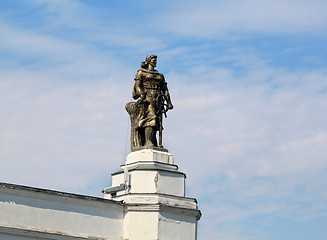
(151, 92)
(152, 85)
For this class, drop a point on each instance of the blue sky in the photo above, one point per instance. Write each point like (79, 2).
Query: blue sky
(247, 79)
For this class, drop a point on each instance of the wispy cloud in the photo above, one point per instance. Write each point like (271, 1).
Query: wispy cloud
(218, 18)
(259, 139)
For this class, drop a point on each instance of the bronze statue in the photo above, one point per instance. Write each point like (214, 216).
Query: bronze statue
(153, 101)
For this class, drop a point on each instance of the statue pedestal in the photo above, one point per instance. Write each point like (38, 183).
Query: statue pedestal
(154, 193)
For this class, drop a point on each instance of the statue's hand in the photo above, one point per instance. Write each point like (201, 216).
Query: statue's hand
(142, 99)
(170, 106)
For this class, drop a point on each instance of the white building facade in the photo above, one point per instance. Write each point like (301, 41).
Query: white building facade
(145, 202)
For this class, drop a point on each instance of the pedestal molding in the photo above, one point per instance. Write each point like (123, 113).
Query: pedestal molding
(163, 208)
(153, 194)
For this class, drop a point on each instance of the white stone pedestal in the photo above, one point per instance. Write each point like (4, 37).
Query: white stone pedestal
(153, 190)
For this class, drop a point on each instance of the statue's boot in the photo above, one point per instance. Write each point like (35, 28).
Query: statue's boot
(148, 136)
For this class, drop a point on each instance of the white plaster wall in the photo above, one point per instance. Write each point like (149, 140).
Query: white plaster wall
(143, 181)
(72, 216)
(171, 183)
(153, 181)
(154, 207)
(117, 179)
(176, 226)
(141, 225)
(150, 155)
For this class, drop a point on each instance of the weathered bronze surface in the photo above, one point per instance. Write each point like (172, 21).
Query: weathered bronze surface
(152, 102)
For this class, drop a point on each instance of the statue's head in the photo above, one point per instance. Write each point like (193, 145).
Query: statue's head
(150, 59)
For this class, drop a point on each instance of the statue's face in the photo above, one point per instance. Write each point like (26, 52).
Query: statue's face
(153, 62)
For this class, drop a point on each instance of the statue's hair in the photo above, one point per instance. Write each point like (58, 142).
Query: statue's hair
(145, 63)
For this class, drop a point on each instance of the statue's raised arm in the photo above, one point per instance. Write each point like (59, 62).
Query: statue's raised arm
(152, 102)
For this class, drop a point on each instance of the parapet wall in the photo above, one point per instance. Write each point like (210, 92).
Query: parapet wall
(33, 213)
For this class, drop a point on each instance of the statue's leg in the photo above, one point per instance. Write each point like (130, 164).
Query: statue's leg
(148, 136)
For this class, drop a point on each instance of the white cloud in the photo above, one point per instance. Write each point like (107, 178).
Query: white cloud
(212, 18)
(84, 23)
(65, 13)
(250, 145)
(62, 136)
